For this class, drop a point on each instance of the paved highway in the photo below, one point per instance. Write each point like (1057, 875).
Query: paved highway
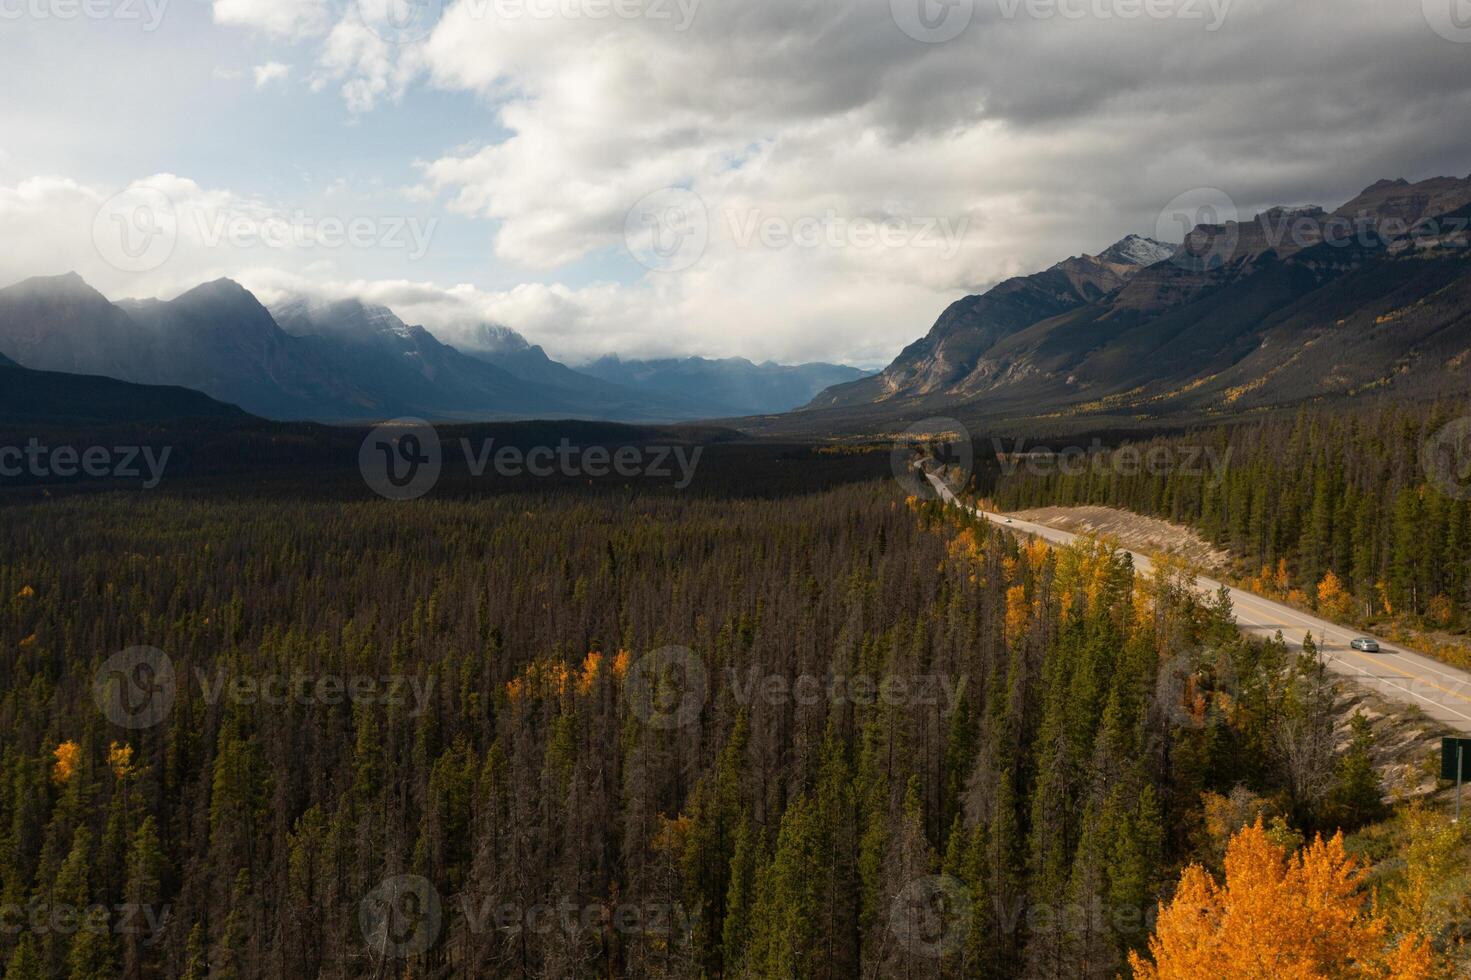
(1441, 691)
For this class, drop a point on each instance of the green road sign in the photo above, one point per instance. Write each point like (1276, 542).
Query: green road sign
(1450, 748)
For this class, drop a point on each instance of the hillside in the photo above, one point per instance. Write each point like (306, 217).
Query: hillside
(943, 361)
(56, 397)
(1294, 305)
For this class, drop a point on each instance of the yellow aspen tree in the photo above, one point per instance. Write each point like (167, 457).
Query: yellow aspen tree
(68, 758)
(1278, 916)
(1017, 611)
(1333, 601)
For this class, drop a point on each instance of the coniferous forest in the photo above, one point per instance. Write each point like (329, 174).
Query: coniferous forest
(747, 490)
(1363, 514)
(589, 733)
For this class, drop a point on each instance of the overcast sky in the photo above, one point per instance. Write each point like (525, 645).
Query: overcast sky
(777, 179)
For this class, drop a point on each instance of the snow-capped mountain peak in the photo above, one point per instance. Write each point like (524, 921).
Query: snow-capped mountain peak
(1137, 250)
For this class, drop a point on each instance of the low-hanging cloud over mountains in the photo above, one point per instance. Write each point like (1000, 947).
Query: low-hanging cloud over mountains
(846, 179)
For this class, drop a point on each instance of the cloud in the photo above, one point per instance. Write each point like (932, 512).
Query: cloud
(291, 19)
(575, 325)
(162, 234)
(276, 251)
(811, 104)
(1031, 138)
(270, 73)
(849, 180)
(47, 213)
(367, 68)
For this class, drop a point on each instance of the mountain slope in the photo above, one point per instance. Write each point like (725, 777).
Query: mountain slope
(511, 352)
(52, 396)
(408, 367)
(344, 362)
(953, 350)
(219, 339)
(215, 338)
(1408, 203)
(508, 377)
(59, 323)
(1295, 304)
(1269, 327)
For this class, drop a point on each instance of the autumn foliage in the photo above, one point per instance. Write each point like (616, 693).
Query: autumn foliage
(1014, 824)
(1334, 509)
(1333, 601)
(68, 756)
(1278, 916)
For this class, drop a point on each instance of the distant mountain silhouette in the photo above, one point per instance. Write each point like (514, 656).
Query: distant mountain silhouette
(728, 387)
(353, 361)
(53, 396)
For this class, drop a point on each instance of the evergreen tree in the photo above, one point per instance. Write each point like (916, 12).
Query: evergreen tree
(144, 893)
(25, 962)
(1358, 795)
(786, 936)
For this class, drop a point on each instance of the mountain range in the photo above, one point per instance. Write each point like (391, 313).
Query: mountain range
(685, 388)
(353, 361)
(733, 386)
(1294, 305)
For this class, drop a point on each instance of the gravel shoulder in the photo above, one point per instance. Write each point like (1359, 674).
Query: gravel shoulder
(1147, 535)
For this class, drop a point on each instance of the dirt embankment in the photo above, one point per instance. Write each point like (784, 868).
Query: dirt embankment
(1406, 743)
(1147, 535)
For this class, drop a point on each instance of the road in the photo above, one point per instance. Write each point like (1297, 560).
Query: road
(1441, 691)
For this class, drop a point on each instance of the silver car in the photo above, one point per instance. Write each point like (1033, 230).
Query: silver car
(1366, 644)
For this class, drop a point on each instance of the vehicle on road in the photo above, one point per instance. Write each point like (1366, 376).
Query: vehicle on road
(1366, 644)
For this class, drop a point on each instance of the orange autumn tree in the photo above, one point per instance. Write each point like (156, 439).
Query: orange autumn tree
(1333, 601)
(68, 757)
(1278, 917)
(1018, 610)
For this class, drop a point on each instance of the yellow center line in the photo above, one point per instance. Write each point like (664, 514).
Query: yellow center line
(1402, 673)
